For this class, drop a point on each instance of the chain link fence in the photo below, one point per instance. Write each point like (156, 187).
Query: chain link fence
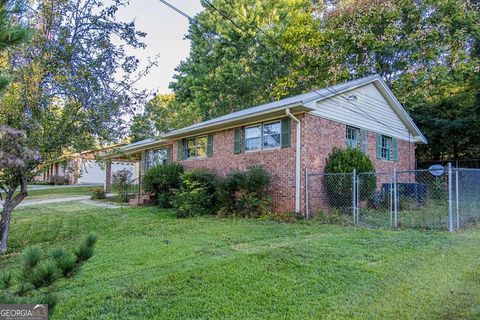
(431, 199)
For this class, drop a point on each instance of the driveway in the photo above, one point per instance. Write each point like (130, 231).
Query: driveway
(84, 199)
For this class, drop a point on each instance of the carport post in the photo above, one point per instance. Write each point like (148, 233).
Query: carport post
(108, 176)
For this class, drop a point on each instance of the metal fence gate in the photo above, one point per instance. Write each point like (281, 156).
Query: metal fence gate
(440, 199)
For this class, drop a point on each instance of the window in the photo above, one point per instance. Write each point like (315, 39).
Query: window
(271, 135)
(386, 150)
(353, 137)
(263, 136)
(196, 148)
(253, 138)
(156, 157)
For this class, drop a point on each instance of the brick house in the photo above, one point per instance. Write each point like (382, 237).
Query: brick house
(293, 136)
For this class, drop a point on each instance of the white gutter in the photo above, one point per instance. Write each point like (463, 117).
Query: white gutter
(298, 150)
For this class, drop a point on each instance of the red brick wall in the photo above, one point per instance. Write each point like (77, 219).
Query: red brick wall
(319, 137)
(279, 162)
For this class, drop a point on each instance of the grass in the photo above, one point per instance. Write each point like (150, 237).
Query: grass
(150, 265)
(66, 192)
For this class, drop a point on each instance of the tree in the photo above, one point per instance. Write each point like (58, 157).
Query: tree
(70, 87)
(12, 31)
(162, 114)
(426, 50)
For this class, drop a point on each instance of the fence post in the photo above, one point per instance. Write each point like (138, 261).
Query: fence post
(354, 196)
(457, 198)
(450, 199)
(307, 194)
(358, 199)
(391, 201)
(395, 198)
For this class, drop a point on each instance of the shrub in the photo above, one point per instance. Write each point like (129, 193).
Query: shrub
(120, 181)
(5, 278)
(162, 180)
(227, 192)
(327, 217)
(31, 256)
(339, 188)
(84, 250)
(64, 260)
(196, 195)
(257, 180)
(287, 216)
(58, 180)
(244, 194)
(44, 273)
(97, 194)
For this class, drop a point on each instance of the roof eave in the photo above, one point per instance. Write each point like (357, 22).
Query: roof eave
(297, 107)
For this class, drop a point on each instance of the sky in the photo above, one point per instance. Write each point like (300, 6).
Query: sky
(165, 30)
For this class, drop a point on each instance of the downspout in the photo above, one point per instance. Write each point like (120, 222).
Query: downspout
(298, 150)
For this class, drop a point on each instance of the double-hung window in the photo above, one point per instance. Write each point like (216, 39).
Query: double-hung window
(353, 137)
(386, 151)
(263, 136)
(196, 148)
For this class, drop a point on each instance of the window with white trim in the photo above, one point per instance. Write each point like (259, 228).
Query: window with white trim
(253, 137)
(196, 148)
(353, 137)
(387, 146)
(263, 136)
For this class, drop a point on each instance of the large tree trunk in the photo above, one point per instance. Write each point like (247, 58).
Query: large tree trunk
(10, 203)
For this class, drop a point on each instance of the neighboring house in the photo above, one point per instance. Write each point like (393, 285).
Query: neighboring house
(83, 168)
(293, 136)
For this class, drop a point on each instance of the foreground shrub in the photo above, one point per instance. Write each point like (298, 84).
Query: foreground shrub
(244, 194)
(64, 260)
(84, 250)
(120, 181)
(339, 188)
(97, 194)
(44, 273)
(196, 195)
(162, 180)
(6, 278)
(31, 256)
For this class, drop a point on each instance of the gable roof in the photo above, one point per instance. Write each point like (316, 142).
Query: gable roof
(297, 104)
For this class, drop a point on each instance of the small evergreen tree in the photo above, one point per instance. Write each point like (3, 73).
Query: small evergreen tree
(339, 188)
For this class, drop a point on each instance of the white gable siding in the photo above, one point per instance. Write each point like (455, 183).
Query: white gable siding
(370, 111)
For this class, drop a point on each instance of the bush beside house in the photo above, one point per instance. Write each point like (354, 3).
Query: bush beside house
(339, 187)
(201, 192)
(197, 194)
(162, 180)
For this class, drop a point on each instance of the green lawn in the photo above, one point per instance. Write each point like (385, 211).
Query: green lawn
(60, 192)
(150, 265)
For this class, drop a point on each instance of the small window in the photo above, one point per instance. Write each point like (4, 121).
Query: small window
(196, 148)
(253, 138)
(353, 137)
(271, 135)
(386, 147)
